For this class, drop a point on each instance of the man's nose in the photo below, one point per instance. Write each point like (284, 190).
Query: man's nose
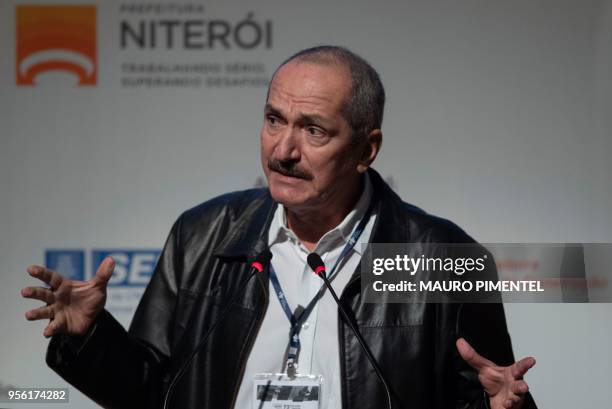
(288, 147)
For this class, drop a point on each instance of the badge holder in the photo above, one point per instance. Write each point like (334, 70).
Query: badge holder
(281, 391)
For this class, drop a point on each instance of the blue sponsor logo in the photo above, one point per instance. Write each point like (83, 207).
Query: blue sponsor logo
(133, 268)
(69, 263)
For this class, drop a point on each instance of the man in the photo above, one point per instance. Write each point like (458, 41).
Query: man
(321, 133)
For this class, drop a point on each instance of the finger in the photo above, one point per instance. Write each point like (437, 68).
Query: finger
(512, 401)
(472, 357)
(40, 313)
(50, 277)
(38, 293)
(520, 368)
(491, 374)
(519, 388)
(105, 270)
(55, 327)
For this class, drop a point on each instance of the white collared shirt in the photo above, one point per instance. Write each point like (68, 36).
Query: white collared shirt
(319, 349)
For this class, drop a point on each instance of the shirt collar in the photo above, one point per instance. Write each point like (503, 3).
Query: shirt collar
(279, 232)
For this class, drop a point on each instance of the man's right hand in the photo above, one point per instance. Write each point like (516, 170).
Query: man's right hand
(72, 306)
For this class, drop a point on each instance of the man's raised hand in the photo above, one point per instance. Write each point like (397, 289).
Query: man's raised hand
(504, 384)
(71, 306)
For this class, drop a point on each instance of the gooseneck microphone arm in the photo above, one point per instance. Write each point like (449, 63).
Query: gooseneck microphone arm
(257, 266)
(316, 264)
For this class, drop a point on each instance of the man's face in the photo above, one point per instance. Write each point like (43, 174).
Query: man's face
(307, 150)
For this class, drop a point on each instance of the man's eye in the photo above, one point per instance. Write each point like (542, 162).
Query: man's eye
(273, 121)
(314, 131)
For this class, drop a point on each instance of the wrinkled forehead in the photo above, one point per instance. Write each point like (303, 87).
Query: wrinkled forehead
(306, 81)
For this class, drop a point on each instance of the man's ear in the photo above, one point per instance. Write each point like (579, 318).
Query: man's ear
(370, 150)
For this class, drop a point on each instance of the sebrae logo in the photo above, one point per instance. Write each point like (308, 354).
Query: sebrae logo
(56, 38)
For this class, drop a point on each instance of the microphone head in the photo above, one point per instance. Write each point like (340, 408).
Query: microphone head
(262, 260)
(315, 262)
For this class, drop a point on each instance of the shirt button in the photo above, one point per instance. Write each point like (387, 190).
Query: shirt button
(305, 325)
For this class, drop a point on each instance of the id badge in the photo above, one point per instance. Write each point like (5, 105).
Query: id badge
(279, 391)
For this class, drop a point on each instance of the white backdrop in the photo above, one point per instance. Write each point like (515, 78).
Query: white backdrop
(498, 118)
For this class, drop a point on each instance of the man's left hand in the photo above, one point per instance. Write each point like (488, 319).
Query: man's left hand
(504, 384)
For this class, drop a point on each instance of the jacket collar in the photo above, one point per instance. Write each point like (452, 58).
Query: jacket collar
(390, 226)
(249, 234)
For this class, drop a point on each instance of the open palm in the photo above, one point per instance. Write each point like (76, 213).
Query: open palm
(72, 305)
(504, 384)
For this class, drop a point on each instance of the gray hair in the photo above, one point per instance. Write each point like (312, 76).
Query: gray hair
(365, 105)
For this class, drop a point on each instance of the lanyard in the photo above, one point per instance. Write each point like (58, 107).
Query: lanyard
(296, 321)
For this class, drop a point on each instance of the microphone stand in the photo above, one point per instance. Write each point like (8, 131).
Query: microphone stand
(257, 266)
(317, 265)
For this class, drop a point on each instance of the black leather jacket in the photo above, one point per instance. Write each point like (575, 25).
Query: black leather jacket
(206, 257)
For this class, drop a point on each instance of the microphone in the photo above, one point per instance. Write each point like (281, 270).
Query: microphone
(317, 265)
(257, 266)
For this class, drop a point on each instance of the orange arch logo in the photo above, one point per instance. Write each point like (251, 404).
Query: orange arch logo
(52, 38)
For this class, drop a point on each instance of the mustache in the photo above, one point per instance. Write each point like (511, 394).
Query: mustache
(288, 168)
